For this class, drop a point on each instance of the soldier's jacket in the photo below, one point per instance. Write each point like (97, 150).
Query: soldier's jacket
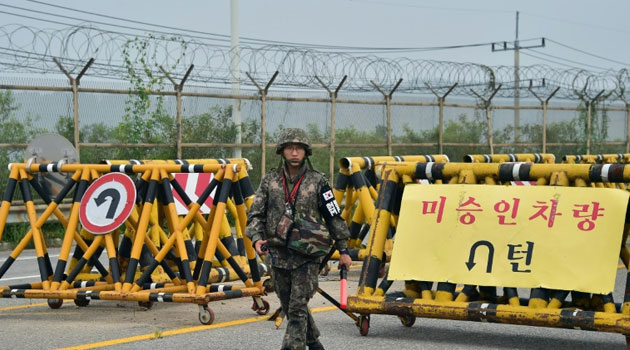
(269, 205)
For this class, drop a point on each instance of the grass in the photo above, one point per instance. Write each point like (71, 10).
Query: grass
(14, 232)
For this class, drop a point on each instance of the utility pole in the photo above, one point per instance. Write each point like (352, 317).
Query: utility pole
(236, 77)
(516, 47)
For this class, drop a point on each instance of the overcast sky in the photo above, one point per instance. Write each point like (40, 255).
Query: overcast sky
(598, 28)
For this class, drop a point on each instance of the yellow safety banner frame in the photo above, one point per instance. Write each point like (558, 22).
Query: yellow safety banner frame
(565, 238)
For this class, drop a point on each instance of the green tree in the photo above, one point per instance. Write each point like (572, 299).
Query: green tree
(215, 126)
(146, 119)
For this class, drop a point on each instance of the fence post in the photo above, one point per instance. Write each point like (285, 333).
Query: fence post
(441, 100)
(544, 104)
(589, 105)
(263, 119)
(333, 102)
(74, 82)
(627, 127)
(487, 106)
(388, 104)
(178, 93)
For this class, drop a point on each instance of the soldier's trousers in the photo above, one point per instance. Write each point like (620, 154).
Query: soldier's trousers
(294, 289)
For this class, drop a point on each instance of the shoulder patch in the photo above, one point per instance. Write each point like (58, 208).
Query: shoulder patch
(329, 208)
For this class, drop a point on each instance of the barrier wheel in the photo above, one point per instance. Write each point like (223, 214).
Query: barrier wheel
(268, 284)
(55, 303)
(146, 304)
(264, 310)
(407, 320)
(364, 324)
(81, 302)
(206, 315)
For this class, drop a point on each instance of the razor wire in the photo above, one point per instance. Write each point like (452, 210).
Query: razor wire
(31, 50)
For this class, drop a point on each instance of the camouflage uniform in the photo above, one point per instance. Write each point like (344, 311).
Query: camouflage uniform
(295, 275)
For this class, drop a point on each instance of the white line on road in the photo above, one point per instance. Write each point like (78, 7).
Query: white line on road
(20, 258)
(18, 278)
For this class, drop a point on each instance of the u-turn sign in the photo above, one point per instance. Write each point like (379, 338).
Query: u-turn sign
(107, 203)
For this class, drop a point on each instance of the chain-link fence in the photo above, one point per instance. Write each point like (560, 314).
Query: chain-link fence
(116, 122)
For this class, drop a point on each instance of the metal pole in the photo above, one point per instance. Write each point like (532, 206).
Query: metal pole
(441, 126)
(388, 102)
(544, 104)
(517, 93)
(588, 127)
(589, 112)
(179, 123)
(441, 100)
(388, 105)
(389, 117)
(263, 119)
(544, 148)
(333, 102)
(235, 69)
(489, 121)
(75, 97)
(488, 107)
(627, 128)
(544, 127)
(331, 159)
(75, 112)
(178, 95)
(263, 133)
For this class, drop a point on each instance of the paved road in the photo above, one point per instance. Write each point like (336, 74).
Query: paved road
(30, 324)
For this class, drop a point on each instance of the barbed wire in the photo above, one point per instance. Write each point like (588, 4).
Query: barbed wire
(31, 50)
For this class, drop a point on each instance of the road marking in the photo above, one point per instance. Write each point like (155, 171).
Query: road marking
(179, 331)
(20, 258)
(18, 278)
(22, 306)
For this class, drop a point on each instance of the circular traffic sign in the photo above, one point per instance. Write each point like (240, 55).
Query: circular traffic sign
(107, 203)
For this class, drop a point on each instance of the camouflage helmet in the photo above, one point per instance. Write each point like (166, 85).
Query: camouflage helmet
(293, 135)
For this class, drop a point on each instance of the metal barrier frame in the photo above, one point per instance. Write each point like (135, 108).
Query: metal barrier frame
(444, 302)
(153, 186)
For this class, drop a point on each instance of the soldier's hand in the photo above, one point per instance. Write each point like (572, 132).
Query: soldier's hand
(259, 247)
(345, 260)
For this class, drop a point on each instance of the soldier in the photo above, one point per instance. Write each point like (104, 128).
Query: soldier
(290, 204)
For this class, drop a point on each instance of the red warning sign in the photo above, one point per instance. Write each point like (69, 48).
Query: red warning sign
(193, 184)
(107, 203)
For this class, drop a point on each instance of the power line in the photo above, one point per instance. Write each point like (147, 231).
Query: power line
(431, 7)
(569, 60)
(355, 49)
(435, 48)
(91, 21)
(224, 38)
(550, 61)
(587, 53)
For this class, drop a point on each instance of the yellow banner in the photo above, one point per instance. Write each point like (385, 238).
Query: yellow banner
(511, 236)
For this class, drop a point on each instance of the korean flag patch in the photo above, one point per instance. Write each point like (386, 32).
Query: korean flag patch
(328, 206)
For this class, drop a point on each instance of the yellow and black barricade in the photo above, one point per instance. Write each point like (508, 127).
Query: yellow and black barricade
(153, 187)
(545, 158)
(479, 301)
(356, 190)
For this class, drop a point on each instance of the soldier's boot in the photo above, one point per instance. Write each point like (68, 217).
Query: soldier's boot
(315, 346)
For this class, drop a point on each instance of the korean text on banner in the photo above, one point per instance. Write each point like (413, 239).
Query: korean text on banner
(513, 236)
